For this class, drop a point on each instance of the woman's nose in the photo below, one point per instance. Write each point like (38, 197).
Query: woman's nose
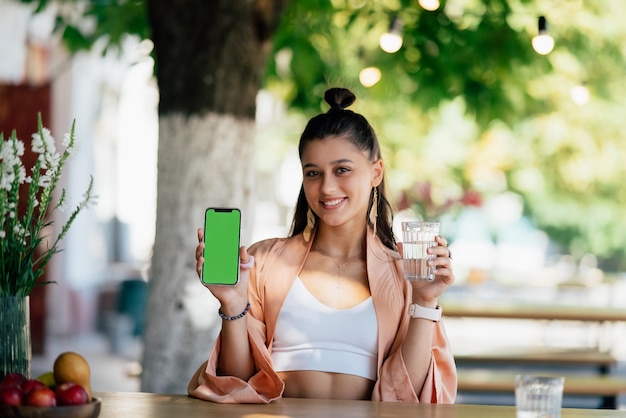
(329, 185)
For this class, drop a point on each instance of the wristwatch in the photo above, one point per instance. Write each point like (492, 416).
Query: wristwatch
(417, 311)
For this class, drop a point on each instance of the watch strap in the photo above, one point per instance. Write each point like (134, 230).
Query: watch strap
(417, 311)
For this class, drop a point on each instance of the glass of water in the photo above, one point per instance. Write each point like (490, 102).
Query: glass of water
(538, 396)
(417, 238)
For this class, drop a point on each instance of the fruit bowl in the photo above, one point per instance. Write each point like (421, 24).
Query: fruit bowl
(88, 410)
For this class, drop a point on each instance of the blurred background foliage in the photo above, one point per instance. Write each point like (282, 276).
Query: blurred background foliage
(465, 108)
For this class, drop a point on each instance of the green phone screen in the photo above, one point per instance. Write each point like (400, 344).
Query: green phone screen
(221, 246)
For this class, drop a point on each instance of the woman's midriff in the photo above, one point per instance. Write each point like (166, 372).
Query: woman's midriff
(325, 385)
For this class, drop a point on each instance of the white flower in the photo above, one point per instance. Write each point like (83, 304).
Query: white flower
(10, 164)
(62, 205)
(37, 144)
(21, 174)
(45, 181)
(21, 229)
(53, 160)
(89, 201)
(19, 146)
(11, 150)
(49, 160)
(67, 141)
(43, 144)
(7, 181)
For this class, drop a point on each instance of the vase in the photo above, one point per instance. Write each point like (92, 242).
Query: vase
(15, 342)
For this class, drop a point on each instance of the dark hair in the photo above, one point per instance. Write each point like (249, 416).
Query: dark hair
(339, 121)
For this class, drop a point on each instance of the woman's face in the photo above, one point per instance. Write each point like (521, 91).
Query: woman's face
(338, 179)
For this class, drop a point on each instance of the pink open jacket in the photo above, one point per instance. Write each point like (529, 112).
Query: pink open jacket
(277, 263)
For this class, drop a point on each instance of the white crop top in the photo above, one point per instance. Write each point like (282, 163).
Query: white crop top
(312, 336)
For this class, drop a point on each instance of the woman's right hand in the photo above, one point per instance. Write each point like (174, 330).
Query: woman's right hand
(233, 298)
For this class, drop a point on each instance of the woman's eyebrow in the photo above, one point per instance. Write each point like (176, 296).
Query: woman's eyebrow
(340, 161)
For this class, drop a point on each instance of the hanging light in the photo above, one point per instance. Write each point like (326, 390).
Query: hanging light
(391, 41)
(580, 94)
(369, 76)
(430, 5)
(543, 43)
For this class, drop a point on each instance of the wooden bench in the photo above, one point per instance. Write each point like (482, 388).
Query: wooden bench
(502, 381)
(606, 316)
(591, 358)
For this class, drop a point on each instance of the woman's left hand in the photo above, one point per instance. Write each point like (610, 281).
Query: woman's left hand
(426, 292)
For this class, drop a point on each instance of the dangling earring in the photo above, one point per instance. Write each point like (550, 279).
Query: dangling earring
(374, 210)
(310, 224)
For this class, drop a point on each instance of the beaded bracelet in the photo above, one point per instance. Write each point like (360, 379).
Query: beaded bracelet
(232, 318)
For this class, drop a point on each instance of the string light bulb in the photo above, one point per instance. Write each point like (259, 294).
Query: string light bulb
(580, 94)
(430, 5)
(369, 76)
(391, 41)
(543, 43)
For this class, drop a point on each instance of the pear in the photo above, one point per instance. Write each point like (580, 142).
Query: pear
(47, 379)
(72, 367)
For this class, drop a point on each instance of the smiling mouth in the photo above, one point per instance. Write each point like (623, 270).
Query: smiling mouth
(332, 203)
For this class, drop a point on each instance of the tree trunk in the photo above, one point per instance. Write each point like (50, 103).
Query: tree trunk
(193, 173)
(210, 56)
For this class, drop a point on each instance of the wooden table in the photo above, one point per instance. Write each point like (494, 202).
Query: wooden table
(149, 405)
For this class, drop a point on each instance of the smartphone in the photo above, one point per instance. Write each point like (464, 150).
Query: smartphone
(222, 228)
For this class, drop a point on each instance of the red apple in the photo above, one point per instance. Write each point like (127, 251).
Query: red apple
(13, 379)
(32, 384)
(70, 393)
(41, 397)
(11, 396)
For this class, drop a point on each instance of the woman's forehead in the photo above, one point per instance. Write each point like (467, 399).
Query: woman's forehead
(331, 148)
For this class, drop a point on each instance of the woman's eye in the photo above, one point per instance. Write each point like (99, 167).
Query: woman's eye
(342, 170)
(311, 173)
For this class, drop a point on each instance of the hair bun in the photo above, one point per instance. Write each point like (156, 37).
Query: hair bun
(339, 98)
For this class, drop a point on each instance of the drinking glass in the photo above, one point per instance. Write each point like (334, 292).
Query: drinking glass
(417, 238)
(538, 396)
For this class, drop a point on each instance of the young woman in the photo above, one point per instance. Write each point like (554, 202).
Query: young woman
(326, 313)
